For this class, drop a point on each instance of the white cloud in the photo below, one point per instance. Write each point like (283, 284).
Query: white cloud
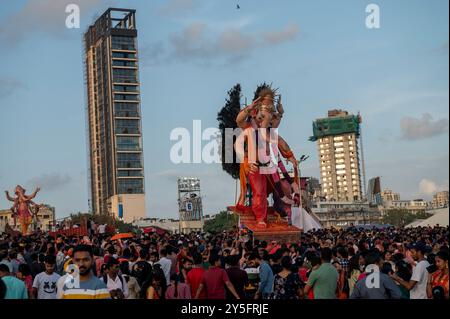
(287, 34)
(428, 187)
(49, 182)
(198, 41)
(424, 127)
(9, 86)
(47, 16)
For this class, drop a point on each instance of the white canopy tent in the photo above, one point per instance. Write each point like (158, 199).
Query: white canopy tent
(303, 220)
(440, 217)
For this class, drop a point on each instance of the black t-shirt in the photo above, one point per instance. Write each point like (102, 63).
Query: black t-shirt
(36, 268)
(276, 268)
(239, 279)
(141, 270)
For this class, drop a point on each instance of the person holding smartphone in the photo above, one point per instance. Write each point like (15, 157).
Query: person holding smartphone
(417, 285)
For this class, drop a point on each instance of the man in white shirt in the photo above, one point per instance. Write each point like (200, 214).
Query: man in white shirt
(102, 229)
(417, 285)
(166, 264)
(44, 284)
(116, 284)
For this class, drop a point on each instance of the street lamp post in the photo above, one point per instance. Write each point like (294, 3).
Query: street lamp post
(301, 160)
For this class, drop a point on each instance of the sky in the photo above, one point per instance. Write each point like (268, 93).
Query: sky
(320, 55)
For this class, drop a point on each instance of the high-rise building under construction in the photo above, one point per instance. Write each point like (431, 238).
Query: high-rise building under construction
(114, 116)
(340, 168)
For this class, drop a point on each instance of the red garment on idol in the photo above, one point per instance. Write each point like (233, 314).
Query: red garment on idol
(258, 184)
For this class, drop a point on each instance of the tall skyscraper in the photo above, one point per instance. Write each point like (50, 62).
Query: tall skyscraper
(114, 116)
(337, 142)
(374, 191)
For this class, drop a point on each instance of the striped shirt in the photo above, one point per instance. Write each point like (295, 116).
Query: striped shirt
(93, 288)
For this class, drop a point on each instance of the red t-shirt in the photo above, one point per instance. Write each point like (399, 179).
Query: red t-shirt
(194, 278)
(302, 273)
(214, 280)
(180, 258)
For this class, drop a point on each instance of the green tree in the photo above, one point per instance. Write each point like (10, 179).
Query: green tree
(402, 217)
(422, 215)
(220, 222)
(227, 119)
(123, 227)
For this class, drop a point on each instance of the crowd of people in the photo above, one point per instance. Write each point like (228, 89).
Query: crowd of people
(393, 263)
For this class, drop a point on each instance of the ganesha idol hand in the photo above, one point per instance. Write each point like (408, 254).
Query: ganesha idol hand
(254, 168)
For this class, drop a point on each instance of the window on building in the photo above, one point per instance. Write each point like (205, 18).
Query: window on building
(129, 173)
(126, 97)
(127, 126)
(123, 43)
(124, 75)
(128, 143)
(123, 109)
(126, 88)
(130, 185)
(129, 160)
(124, 63)
(124, 55)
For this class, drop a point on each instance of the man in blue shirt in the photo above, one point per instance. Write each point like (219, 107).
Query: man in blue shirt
(265, 275)
(379, 285)
(5, 261)
(15, 288)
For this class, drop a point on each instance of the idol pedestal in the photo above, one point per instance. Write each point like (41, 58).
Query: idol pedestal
(276, 230)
